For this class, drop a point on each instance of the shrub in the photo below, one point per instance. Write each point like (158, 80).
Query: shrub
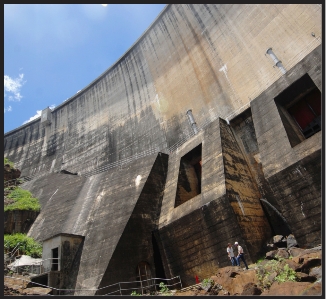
(207, 283)
(164, 289)
(7, 161)
(26, 245)
(274, 270)
(287, 274)
(23, 201)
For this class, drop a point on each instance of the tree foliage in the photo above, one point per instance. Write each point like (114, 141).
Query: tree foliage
(23, 201)
(26, 245)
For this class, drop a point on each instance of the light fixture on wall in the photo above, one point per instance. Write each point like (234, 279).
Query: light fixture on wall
(192, 121)
(278, 62)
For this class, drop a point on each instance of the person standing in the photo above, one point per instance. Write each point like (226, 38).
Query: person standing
(230, 252)
(240, 255)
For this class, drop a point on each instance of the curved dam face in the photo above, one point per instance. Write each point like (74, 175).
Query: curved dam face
(215, 107)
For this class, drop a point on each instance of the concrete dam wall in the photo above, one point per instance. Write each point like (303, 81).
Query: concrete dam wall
(206, 131)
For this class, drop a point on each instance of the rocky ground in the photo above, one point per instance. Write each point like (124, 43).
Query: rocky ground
(293, 271)
(20, 285)
(284, 272)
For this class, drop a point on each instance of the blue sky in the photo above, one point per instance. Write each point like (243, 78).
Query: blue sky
(51, 51)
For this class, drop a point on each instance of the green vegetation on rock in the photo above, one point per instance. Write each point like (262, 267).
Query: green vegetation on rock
(164, 290)
(7, 161)
(207, 283)
(274, 270)
(23, 201)
(26, 245)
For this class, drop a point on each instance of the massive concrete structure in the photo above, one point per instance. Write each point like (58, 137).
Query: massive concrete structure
(206, 131)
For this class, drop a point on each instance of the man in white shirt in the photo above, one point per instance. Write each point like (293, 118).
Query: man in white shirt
(240, 255)
(229, 250)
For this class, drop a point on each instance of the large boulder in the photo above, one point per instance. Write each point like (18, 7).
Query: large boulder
(288, 288)
(308, 260)
(314, 289)
(233, 279)
(282, 253)
(305, 277)
(291, 241)
(251, 289)
(279, 241)
(316, 272)
(294, 251)
(37, 291)
(271, 255)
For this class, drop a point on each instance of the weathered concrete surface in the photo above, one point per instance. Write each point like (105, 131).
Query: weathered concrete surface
(207, 57)
(244, 132)
(58, 194)
(120, 223)
(293, 172)
(244, 195)
(136, 242)
(110, 209)
(211, 59)
(298, 192)
(194, 235)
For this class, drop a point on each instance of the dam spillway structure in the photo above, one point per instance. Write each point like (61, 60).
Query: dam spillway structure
(129, 183)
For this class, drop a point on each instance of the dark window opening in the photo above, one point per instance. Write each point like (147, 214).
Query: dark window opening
(159, 268)
(300, 109)
(189, 179)
(55, 259)
(68, 172)
(307, 113)
(244, 128)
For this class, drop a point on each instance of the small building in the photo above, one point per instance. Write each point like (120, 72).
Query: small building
(59, 251)
(61, 255)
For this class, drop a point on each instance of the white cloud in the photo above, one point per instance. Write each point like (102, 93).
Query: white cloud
(13, 86)
(94, 12)
(8, 109)
(37, 115)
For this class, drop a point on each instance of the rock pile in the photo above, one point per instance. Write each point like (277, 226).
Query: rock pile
(20, 285)
(285, 270)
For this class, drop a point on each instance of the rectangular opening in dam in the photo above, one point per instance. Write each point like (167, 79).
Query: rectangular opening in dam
(300, 109)
(55, 259)
(244, 127)
(189, 178)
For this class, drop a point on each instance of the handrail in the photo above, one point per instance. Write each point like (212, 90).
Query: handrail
(11, 254)
(65, 291)
(39, 264)
(151, 283)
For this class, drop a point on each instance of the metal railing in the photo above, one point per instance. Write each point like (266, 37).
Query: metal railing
(37, 267)
(140, 286)
(171, 284)
(14, 251)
